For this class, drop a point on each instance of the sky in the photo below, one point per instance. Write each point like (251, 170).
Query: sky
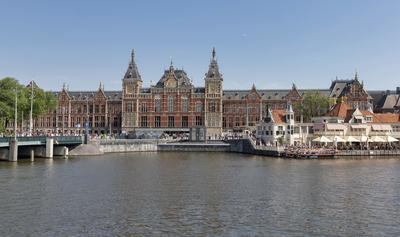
(269, 43)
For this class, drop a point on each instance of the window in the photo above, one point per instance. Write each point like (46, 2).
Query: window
(157, 121)
(157, 104)
(199, 107)
(170, 104)
(199, 121)
(212, 106)
(171, 121)
(96, 109)
(224, 122)
(143, 121)
(237, 121)
(129, 107)
(185, 121)
(143, 107)
(185, 104)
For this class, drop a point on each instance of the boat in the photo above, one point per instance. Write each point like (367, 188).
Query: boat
(310, 153)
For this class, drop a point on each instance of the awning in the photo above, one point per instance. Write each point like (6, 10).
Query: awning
(391, 139)
(322, 139)
(363, 138)
(352, 139)
(331, 126)
(359, 126)
(377, 139)
(381, 127)
(339, 139)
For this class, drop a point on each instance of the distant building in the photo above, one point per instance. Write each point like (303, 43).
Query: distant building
(175, 105)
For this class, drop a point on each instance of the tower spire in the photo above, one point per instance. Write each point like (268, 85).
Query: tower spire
(356, 76)
(213, 69)
(132, 72)
(213, 53)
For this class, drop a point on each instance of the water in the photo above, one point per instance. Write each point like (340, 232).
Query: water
(199, 194)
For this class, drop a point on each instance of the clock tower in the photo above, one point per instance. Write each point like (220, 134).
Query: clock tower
(131, 86)
(213, 99)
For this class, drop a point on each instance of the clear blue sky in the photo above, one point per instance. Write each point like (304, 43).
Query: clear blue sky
(270, 43)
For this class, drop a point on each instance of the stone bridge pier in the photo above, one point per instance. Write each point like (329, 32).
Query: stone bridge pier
(40, 147)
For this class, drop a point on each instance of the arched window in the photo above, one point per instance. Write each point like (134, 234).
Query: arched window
(157, 104)
(185, 104)
(170, 104)
(199, 107)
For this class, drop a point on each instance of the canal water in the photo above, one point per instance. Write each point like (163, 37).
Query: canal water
(199, 194)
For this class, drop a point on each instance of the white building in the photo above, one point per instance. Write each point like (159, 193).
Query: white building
(280, 127)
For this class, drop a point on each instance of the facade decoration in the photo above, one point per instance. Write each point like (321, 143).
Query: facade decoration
(175, 105)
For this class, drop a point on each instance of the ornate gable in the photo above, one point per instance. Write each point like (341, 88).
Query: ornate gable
(293, 94)
(64, 95)
(100, 95)
(253, 94)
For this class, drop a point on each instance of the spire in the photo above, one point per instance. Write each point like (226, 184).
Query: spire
(294, 87)
(213, 69)
(253, 87)
(171, 66)
(356, 76)
(213, 54)
(132, 72)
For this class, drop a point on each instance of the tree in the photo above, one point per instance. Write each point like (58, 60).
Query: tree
(313, 104)
(42, 103)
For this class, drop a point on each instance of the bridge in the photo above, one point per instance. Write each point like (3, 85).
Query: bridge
(37, 146)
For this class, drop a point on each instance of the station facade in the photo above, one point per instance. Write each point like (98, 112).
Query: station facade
(175, 105)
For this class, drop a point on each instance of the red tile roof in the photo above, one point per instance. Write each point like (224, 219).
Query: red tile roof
(339, 110)
(278, 115)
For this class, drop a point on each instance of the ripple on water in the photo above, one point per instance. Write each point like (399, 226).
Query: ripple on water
(199, 194)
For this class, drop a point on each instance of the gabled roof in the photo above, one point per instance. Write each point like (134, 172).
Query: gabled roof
(386, 118)
(278, 116)
(339, 110)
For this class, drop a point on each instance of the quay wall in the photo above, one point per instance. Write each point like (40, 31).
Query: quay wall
(247, 147)
(193, 147)
(128, 145)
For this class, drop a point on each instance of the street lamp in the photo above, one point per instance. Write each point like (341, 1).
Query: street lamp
(15, 114)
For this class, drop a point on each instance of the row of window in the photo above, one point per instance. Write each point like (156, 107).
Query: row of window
(78, 109)
(144, 121)
(171, 106)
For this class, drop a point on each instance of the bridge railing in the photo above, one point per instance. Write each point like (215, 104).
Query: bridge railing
(42, 139)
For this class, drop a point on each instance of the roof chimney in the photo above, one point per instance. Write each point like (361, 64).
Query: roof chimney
(398, 90)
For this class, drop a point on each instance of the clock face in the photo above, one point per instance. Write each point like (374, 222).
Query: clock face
(129, 89)
(212, 89)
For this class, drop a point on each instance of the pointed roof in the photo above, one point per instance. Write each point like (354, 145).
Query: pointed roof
(178, 75)
(213, 69)
(132, 72)
(339, 110)
(293, 93)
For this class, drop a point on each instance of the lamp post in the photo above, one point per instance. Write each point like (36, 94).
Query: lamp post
(15, 114)
(30, 113)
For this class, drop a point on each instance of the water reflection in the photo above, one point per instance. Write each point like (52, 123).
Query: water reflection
(199, 194)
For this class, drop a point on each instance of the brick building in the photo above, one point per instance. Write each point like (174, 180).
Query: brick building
(174, 104)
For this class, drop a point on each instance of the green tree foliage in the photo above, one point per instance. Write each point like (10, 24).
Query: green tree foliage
(313, 104)
(43, 101)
